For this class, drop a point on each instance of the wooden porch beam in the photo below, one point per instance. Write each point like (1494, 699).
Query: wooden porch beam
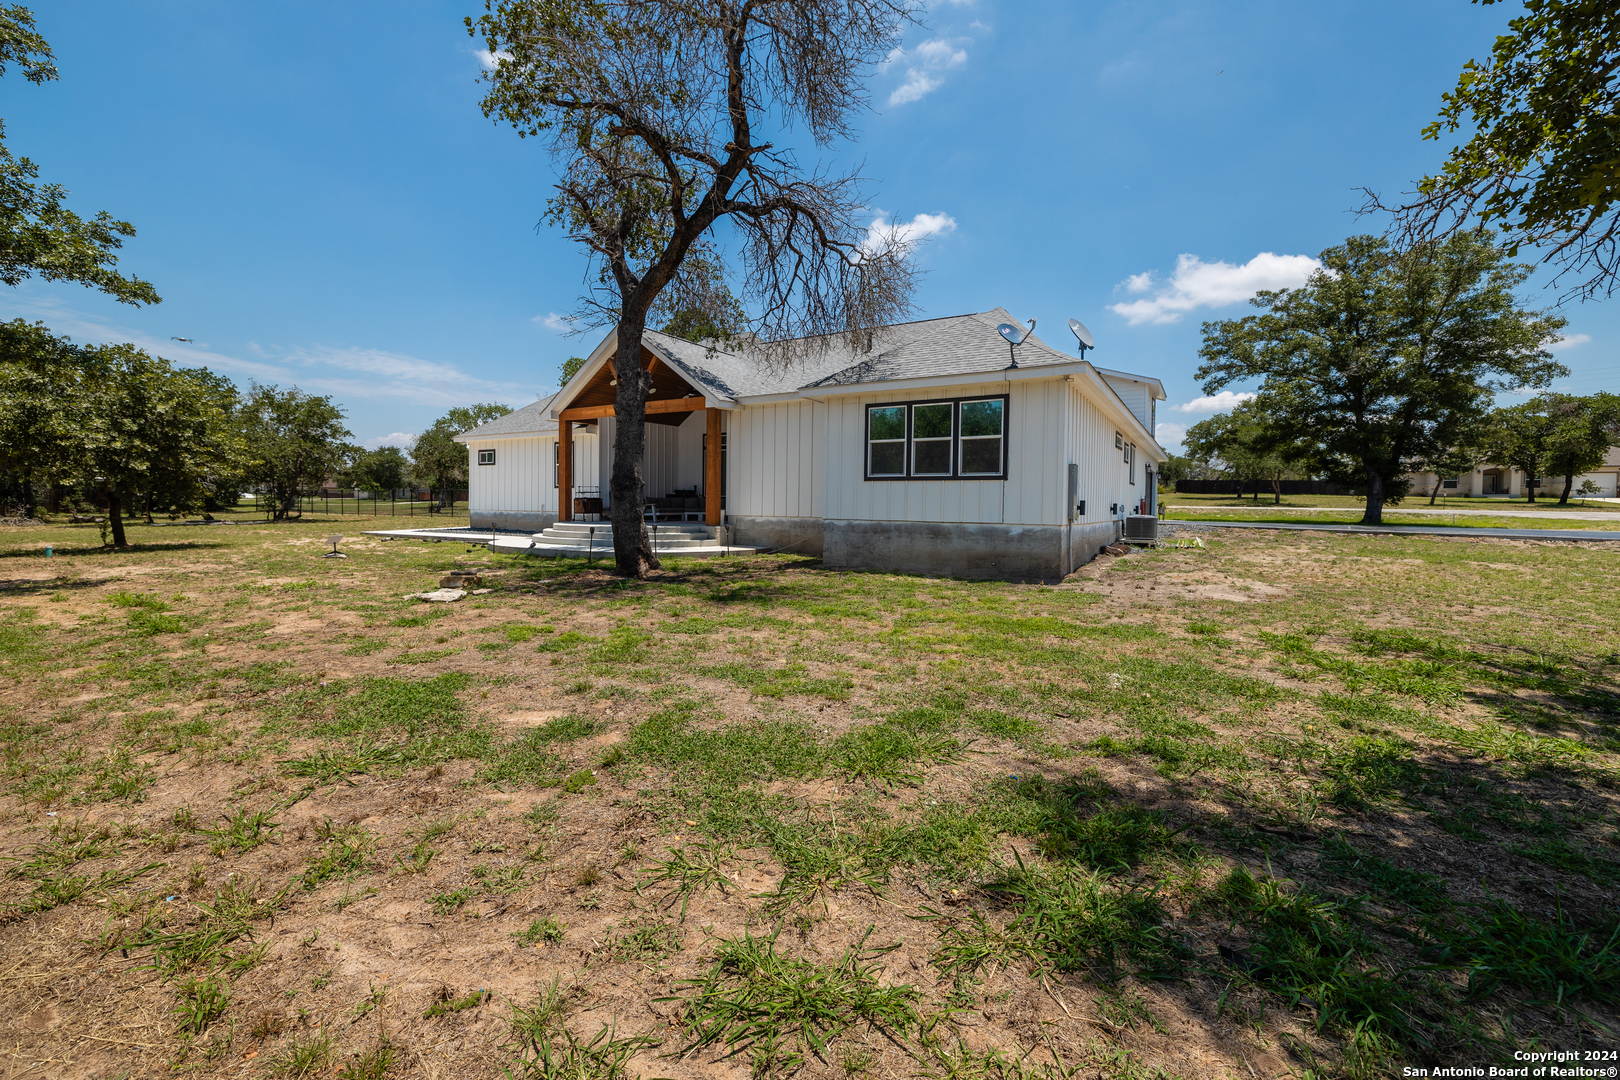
(565, 471)
(711, 469)
(667, 405)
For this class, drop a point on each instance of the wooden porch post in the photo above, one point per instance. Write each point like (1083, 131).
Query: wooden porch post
(711, 469)
(565, 470)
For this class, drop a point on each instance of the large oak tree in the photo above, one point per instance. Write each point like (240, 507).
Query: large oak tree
(295, 442)
(1385, 356)
(670, 118)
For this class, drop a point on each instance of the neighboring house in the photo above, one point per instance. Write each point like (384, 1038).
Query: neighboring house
(929, 450)
(1501, 480)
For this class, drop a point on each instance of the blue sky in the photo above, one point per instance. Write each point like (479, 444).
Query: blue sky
(321, 202)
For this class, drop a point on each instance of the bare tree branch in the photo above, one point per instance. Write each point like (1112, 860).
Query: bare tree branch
(649, 108)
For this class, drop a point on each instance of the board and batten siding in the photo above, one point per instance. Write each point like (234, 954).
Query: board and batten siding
(1104, 476)
(774, 459)
(520, 481)
(1138, 398)
(672, 456)
(1032, 494)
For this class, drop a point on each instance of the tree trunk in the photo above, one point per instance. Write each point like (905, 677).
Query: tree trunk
(1435, 494)
(1374, 514)
(1276, 491)
(633, 554)
(115, 519)
(29, 502)
(1569, 485)
(1529, 488)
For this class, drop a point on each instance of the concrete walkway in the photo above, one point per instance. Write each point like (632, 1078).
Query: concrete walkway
(450, 535)
(1410, 530)
(1542, 515)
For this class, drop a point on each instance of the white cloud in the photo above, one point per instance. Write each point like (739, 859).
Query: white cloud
(553, 321)
(925, 68)
(402, 439)
(349, 374)
(1198, 284)
(491, 60)
(1168, 435)
(1221, 402)
(883, 233)
(1569, 341)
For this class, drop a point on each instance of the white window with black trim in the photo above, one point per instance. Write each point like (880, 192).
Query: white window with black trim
(957, 438)
(486, 457)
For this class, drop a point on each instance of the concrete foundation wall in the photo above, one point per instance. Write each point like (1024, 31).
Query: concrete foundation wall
(1085, 540)
(954, 549)
(800, 535)
(526, 520)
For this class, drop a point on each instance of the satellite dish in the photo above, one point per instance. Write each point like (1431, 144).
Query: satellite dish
(1012, 332)
(1082, 335)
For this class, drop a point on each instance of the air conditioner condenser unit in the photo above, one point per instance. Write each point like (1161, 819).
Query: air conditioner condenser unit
(1141, 529)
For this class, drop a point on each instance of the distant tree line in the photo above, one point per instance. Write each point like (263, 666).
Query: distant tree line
(114, 427)
(1388, 362)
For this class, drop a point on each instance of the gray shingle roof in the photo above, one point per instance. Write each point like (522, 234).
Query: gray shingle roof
(524, 421)
(928, 348)
(953, 345)
(958, 345)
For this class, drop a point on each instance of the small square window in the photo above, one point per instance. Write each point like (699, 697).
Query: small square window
(1119, 441)
(486, 457)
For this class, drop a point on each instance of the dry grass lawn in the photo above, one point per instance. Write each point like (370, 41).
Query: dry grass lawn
(1280, 805)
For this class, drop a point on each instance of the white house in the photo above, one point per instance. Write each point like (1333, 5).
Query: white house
(936, 448)
(1488, 479)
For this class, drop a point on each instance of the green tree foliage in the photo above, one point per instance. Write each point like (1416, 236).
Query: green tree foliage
(442, 461)
(144, 427)
(570, 368)
(295, 442)
(383, 469)
(112, 420)
(1246, 444)
(40, 377)
(699, 306)
(1554, 435)
(1185, 467)
(1543, 157)
(650, 110)
(39, 236)
(1385, 355)
(1517, 436)
(1585, 428)
(1453, 459)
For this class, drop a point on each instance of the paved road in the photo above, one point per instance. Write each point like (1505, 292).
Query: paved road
(1415, 530)
(1542, 515)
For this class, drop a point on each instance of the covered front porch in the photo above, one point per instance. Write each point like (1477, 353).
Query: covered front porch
(685, 481)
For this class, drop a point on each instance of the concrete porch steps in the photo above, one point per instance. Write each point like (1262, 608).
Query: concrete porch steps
(584, 539)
